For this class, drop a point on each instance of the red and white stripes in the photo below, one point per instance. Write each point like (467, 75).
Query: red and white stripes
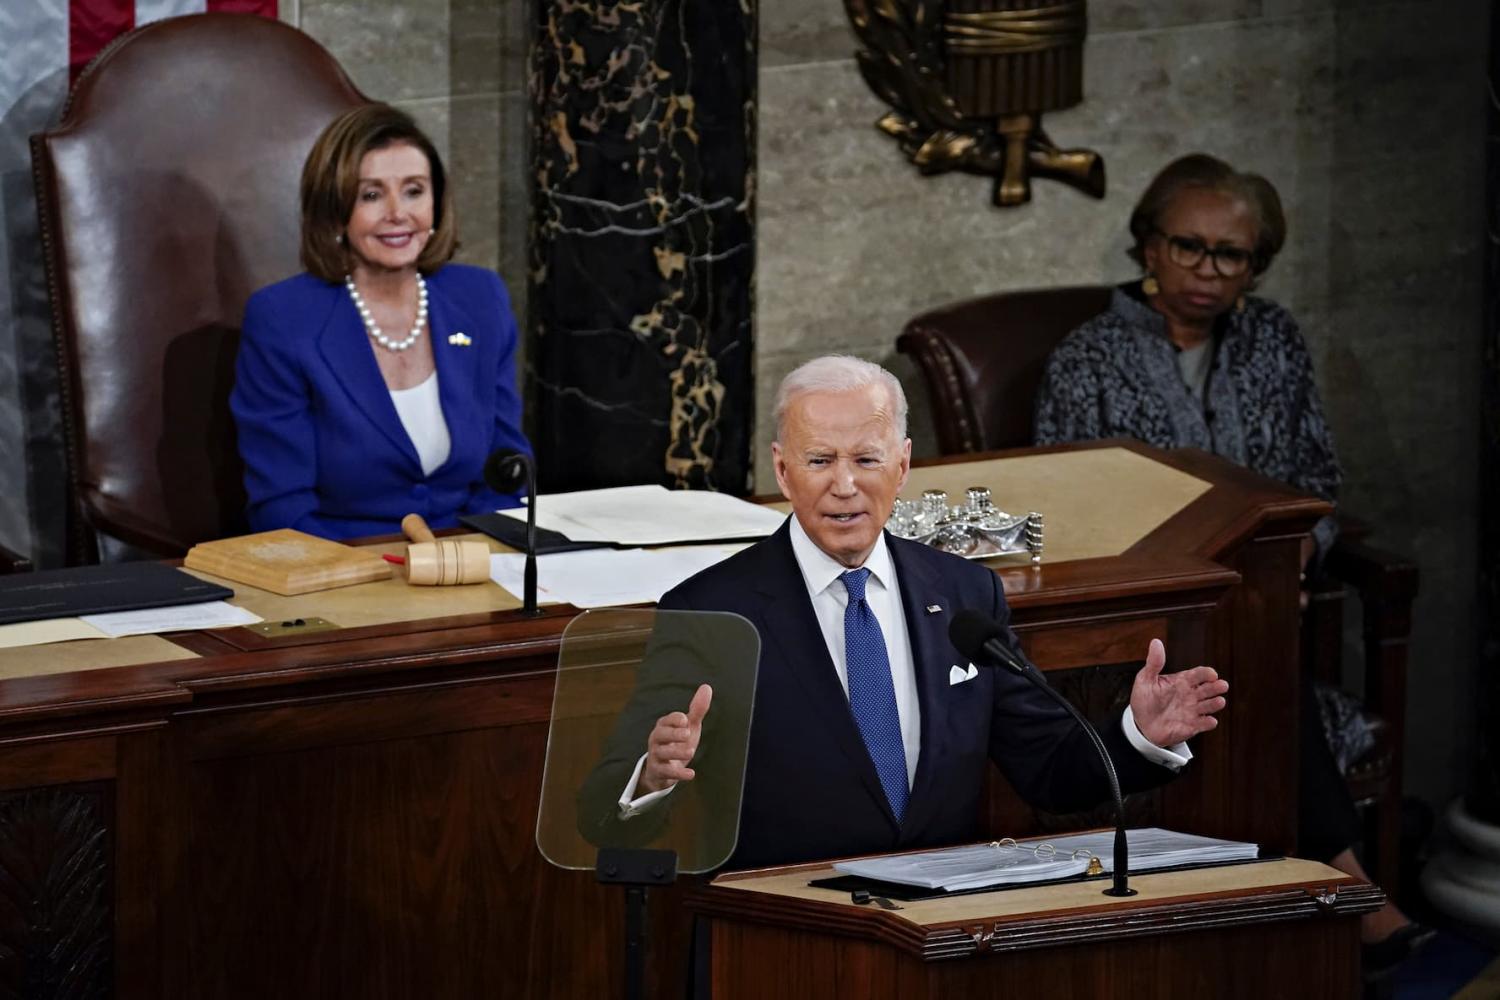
(93, 24)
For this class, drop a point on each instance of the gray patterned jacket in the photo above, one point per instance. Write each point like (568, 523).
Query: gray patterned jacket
(1117, 376)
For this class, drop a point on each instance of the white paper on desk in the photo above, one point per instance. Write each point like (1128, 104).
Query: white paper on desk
(178, 618)
(1152, 848)
(603, 578)
(651, 515)
(959, 868)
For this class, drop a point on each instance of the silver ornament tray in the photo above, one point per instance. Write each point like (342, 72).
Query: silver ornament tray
(976, 529)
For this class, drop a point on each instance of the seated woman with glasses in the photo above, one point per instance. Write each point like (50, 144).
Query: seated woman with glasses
(1186, 357)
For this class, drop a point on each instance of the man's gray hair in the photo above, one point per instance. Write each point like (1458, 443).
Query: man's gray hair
(840, 373)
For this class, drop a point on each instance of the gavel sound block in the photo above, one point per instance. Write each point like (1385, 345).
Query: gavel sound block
(433, 562)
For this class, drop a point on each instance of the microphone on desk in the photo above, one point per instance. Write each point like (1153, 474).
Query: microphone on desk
(982, 639)
(506, 471)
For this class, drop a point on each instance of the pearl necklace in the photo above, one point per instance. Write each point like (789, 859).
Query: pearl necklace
(373, 329)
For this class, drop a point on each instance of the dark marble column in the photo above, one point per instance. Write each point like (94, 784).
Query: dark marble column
(1463, 879)
(642, 255)
(1483, 798)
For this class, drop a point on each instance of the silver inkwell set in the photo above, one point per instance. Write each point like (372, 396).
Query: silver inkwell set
(977, 529)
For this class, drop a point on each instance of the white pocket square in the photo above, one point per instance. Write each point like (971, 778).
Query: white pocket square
(957, 674)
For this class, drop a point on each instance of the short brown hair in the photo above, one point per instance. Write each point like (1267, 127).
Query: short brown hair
(1199, 170)
(330, 183)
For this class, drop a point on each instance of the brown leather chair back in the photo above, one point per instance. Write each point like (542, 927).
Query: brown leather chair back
(982, 360)
(168, 193)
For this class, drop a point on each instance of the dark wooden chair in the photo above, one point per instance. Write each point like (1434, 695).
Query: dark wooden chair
(167, 194)
(982, 360)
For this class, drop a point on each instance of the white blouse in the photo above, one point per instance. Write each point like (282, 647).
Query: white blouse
(421, 413)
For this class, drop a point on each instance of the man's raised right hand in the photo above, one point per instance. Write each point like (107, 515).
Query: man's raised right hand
(672, 744)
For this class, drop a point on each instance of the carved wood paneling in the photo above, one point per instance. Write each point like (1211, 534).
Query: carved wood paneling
(55, 905)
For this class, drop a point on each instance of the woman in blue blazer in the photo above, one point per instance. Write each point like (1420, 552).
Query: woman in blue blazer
(376, 384)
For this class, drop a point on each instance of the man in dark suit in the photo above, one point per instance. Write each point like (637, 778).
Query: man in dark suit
(869, 731)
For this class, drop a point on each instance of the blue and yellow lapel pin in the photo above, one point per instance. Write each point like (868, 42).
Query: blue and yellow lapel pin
(460, 339)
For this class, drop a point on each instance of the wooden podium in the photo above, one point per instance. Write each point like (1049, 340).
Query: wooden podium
(1285, 928)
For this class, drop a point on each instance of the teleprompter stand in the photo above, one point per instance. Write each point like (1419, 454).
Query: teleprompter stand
(637, 870)
(620, 673)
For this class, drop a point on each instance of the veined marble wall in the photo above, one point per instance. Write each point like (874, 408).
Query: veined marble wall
(1367, 115)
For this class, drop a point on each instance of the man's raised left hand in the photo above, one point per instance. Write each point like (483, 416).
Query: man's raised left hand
(1173, 708)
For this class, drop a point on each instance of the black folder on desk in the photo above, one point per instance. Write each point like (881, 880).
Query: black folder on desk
(513, 533)
(93, 590)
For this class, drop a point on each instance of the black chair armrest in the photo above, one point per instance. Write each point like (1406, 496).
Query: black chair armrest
(1387, 586)
(13, 562)
(118, 521)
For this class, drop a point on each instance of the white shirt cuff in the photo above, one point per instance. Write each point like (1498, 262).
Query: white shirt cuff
(632, 806)
(1173, 757)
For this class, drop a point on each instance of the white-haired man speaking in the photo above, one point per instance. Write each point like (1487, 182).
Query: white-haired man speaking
(863, 738)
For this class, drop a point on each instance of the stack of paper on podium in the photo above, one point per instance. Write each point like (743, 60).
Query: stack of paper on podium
(639, 517)
(651, 515)
(1005, 863)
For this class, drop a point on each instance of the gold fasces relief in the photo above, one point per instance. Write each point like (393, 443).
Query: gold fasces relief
(968, 86)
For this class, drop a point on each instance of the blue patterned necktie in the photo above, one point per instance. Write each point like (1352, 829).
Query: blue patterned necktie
(872, 694)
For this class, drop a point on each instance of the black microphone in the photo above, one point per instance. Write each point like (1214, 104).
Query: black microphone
(506, 471)
(982, 640)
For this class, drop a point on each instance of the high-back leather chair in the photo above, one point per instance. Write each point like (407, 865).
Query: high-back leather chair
(982, 360)
(167, 194)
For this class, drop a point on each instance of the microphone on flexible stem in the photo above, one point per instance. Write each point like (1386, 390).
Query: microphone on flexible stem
(505, 472)
(982, 640)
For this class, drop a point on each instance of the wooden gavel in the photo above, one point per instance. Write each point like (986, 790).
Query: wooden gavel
(433, 562)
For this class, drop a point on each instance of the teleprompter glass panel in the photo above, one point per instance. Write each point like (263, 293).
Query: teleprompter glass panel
(618, 672)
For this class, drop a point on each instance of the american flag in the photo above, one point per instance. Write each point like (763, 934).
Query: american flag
(93, 24)
(43, 36)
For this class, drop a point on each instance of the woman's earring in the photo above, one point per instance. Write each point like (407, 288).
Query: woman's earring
(1149, 285)
(340, 238)
(1239, 304)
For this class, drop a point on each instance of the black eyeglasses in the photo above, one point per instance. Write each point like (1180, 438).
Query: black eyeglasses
(1188, 252)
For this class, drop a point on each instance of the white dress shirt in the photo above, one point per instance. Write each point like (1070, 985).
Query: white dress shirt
(820, 573)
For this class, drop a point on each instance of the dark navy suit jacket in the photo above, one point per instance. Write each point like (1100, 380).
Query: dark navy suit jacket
(811, 791)
(324, 449)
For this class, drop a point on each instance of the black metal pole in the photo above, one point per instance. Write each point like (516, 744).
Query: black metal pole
(635, 942)
(528, 590)
(635, 869)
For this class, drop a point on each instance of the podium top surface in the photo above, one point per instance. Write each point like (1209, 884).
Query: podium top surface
(1035, 916)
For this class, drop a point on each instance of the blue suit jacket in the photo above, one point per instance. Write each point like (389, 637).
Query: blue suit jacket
(324, 449)
(811, 791)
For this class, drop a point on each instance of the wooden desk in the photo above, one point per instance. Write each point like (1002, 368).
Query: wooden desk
(1275, 929)
(351, 813)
